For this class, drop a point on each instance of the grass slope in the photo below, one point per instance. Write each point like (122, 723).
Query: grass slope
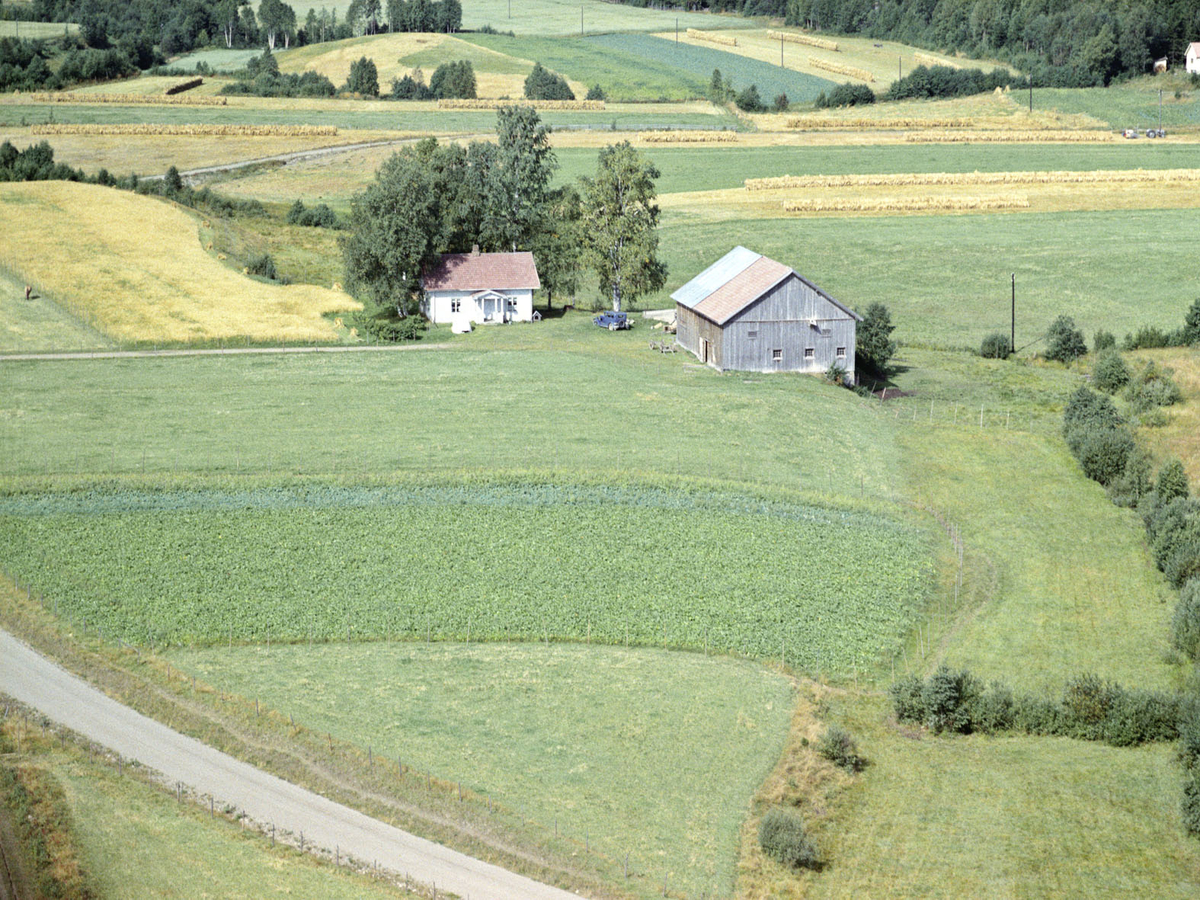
(609, 743)
(1006, 817)
(39, 323)
(139, 844)
(80, 243)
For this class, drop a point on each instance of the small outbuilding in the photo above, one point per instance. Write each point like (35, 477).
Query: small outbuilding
(480, 287)
(1192, 58)
(1160, 66)
(749, 313)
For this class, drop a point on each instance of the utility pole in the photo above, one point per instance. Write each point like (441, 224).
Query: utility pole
(1160, 110)
(510, 9)
(781, 55)
(899, 67)
(1031, 95)
(677, 29)
(1012, 341)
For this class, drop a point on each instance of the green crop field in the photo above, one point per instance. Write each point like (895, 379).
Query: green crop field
(699, 62)
(715, 167)
(630, 751)
(378, 116)
(1131, 105)
(826, 590)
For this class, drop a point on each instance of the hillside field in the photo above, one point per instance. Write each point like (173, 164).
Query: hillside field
(132, 290)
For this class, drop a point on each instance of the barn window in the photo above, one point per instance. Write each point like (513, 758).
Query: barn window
(455, 306)
(751, 334)
(777, 356)
(809, 353)
(841, 352)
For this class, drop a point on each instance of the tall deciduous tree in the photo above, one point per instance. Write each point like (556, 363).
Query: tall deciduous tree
(395, 230)
(525, 163)
(620, 222)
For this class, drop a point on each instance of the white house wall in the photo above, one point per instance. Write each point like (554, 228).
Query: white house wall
(438, 306)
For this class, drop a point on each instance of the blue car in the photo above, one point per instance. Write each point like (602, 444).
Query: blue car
(613, 321)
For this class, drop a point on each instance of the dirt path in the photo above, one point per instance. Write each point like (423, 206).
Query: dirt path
(32, 679)
(226, 351)
(285, 158)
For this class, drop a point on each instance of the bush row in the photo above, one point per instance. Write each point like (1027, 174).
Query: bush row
(1090, 709)
(930, 82)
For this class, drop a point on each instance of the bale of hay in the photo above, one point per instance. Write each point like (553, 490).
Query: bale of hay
(688, 137)
(903, 204)
(792, 37)
(210, 130)
(129, 99)
(838, 68)
(713, 37)
(479, 103)
(182, 86)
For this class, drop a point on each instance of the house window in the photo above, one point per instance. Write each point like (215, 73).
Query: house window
(511, 304)
(455, 306)
(841, 352)
(777, 356)
(810, 353)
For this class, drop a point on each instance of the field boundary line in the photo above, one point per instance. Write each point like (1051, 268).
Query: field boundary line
(216, 351)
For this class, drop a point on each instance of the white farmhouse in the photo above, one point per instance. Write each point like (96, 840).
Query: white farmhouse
(480, 287)
(1192, 60)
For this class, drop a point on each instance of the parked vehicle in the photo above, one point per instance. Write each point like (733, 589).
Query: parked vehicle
(613, 321)
(1155, 132)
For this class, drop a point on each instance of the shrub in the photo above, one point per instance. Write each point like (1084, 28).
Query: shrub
(1152, 387)
(1185, 628)
(1183, 562)
(749, 100)
(948, 697)
(1037, 715)
(1103, 340)
(1190, 334)
(1064, 342)
(1134, 482)
(320, 216)
(781, 103)
(410, 328)
(1172, 481)
(1148, 338)
(262, 265)
(1190, 806)
(908, 699)
(782, 836)
(1189, 737)
(1086, 702)
(595, 92)
(996, 346)
(873, 342)
(1104, 453)
(837, 746)
(835, 374)
(542, 84)
(1110, 374)
(1087, 412)
(848, 94)
(410, 88)
(994, 709)
(1140, 717)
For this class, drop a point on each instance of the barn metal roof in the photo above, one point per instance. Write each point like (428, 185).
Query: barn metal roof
(715, 276)
(735, 281)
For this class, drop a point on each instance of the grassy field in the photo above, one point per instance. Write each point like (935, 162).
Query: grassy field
(699, 62)
(827, 590)
(609, 743)
(947, 278)
(1178, 437)
(557, 17)
(1134, 104)
(370, 115)
(884, 60)
(1059, 585)
(133, 291)
(621, 400)
(39, 323)
(35, 30)
(397, 55)
(1030, 817)
(138, 843)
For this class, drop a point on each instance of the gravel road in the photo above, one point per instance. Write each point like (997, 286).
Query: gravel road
(32, 679)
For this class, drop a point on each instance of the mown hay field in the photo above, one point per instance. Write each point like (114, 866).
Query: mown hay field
(609, 742)
(133, 268)
(878, 62)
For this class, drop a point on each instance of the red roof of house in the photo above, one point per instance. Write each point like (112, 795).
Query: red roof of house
(482, 271)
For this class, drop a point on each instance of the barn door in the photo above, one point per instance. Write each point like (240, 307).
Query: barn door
(703, 350)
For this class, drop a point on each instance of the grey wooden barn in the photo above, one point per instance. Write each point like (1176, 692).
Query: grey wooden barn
(749, 313)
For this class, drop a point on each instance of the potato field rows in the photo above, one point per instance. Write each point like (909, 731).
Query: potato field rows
(827, 590)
